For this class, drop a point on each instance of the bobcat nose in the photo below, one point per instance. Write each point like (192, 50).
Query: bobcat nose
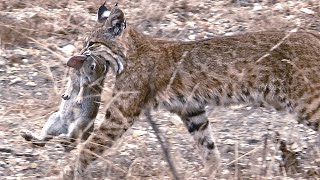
(86, 53)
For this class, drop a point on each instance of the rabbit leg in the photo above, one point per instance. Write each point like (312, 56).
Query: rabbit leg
(80, 94)
(53, 127)
(80, 129)
(67, 94)
(84, 83)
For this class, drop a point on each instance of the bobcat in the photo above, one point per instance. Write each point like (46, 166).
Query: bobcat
(275, 68)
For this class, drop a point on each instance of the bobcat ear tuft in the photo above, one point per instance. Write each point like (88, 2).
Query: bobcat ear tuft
(76, 61)
(117, 21)
(103, 13)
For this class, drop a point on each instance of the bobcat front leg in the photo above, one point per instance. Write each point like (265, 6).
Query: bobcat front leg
(118, 118)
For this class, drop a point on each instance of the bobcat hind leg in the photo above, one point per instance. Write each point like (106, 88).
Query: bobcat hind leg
(199, 127)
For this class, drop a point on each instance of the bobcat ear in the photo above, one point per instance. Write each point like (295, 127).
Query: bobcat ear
(76, 61)
(103, 13)
(116, 21)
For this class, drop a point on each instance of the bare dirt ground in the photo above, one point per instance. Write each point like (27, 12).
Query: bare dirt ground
(38, 36)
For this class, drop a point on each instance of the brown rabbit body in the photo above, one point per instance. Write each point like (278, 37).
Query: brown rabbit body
(276, 68)
(75, 118)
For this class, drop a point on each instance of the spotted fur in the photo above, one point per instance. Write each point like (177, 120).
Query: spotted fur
(280, 69)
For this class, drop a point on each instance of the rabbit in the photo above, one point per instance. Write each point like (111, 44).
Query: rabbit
(79, 107)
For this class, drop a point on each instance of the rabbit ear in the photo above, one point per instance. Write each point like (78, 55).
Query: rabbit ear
(103, 13)
(76, 61)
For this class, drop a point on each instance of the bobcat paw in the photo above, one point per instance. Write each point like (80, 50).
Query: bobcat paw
(65, 96)
(212, 162)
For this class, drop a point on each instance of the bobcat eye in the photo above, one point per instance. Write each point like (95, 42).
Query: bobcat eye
(92, 67)
(91, 43)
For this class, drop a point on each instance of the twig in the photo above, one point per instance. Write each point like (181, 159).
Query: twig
(246, 154)
(236, 155)
(278, 44)
(163, 147)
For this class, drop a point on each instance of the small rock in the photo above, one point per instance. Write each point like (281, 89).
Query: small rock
(176, 120)
(38, 94)
(294, 147)
(33, 165)
(307, 11)
(312, 141)
(137, 133)
(229, 34)
(20, 52)
(290, 16)
(225, 172)
(2, 62)
(34, 74)
(13, 81)
(278, 7)
(11, 177)
(132, 146)
(12, 162)
(229, 142)
(68, 49)
(190, 23)
(257, 7)
(25, 61)
(192, 37)
(30, 83)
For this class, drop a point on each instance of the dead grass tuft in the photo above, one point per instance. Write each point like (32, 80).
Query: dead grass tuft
(15, 32)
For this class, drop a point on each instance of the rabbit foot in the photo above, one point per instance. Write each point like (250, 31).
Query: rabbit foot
(79, 100)
(65, 96)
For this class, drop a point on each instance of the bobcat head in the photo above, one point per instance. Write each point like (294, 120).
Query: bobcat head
(103, 41)
(110, 24)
